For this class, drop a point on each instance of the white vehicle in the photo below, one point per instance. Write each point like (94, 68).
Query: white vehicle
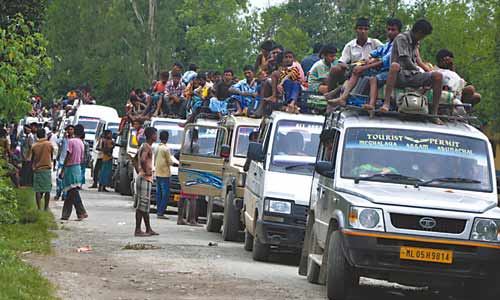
(89, 116)
(276, 197)
(101, 126)
(399, 198)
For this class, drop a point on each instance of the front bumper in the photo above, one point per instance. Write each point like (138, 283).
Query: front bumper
(283, 230)
(277, 234)
(380, 254)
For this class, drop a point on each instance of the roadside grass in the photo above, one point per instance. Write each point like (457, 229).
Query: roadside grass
(18, 279)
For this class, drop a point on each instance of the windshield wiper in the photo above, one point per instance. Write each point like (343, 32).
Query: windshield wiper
(449, 180)
(390, 176)
(299, 165)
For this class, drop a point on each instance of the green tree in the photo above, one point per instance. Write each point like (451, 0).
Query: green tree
(23, 60)
(32, 10)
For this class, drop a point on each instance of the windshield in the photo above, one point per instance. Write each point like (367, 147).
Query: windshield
(295, 146)
(90, 124)
(242, 140)
(202, 141)
(113, 127)
(174, 132)
(453, 161)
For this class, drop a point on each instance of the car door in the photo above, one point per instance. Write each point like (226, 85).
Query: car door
(200, 163)
(325, 193)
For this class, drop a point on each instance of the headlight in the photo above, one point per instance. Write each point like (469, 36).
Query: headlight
(486, 230)
(366, 218)
(279, 207)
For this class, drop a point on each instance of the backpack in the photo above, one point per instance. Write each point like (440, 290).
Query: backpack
(413, 103)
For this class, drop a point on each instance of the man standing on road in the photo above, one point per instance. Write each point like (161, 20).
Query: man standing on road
(71, 175)
(143, 183)
(107, 146)
(63, 150)
(41, 158)
(163, 160)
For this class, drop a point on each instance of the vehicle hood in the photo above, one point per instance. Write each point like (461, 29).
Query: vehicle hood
(288, 186)
(423, 197)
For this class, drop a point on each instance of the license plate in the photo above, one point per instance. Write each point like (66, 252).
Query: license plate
(177, 197)
(426, 254)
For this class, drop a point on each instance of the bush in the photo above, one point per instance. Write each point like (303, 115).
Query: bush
(8, 203)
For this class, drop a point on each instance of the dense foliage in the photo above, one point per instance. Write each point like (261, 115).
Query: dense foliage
(114, 45)
(23, 60)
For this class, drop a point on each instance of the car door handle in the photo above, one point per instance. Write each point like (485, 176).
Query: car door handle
(185, 165)
(255, 174)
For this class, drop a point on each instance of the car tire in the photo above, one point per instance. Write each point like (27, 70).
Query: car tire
(340, 275)
(124, 184)
(248, 241)
(306, 248)
(260, 251)
(231, 224)
(213, 225)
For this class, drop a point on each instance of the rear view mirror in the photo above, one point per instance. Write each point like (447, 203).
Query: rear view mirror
(225, 151)
(324, 168)
(255, 152)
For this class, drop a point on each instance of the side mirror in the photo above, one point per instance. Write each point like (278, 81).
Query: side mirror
(255, 152)
(225, 151)
(324, 168)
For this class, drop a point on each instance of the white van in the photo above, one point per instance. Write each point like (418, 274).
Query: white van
(89, 116)
(276, 196)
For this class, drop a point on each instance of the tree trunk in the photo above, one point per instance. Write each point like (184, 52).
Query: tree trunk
(152, 51)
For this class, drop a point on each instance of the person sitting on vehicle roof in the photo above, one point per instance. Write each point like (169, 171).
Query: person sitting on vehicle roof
(382, 55)
(318, 75)
(404, 71)
(217, 106)
(452, 82)
(355, 53)
(176, 67)
(310, 60)
(289, 79)
(190, 74)
(245, 90)
(202, 90)
(176, 104)
(156, 98)
(261, 61)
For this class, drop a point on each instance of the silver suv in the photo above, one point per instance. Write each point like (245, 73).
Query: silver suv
(404, 200)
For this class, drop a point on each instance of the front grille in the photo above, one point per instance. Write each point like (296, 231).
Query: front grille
(412, 222)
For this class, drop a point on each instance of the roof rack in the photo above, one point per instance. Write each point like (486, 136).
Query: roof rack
(471, 120)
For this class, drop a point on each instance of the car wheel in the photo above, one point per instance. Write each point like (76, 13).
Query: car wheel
(213, 225)
(260, 251)
(124, 184)
(231, 224)
(248, 241)
(340, 275)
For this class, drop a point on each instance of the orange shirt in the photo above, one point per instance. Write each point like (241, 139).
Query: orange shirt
(41, 155)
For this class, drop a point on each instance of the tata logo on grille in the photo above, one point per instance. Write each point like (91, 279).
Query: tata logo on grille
(427, 223)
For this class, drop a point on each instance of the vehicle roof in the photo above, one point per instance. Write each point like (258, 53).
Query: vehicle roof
(352, 120)
(280, 115)
(154, 119)
(100, 111)
(239, 120)
(209, 122)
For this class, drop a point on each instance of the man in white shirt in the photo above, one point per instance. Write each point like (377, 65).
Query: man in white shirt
(355, 52)
(452, 82)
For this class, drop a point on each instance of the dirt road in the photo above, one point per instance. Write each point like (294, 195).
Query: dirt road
(182, 265)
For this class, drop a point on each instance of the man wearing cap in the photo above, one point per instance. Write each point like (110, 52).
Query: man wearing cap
(355, 52)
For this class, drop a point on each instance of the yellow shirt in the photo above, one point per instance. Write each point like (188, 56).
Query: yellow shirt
(163, 161)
